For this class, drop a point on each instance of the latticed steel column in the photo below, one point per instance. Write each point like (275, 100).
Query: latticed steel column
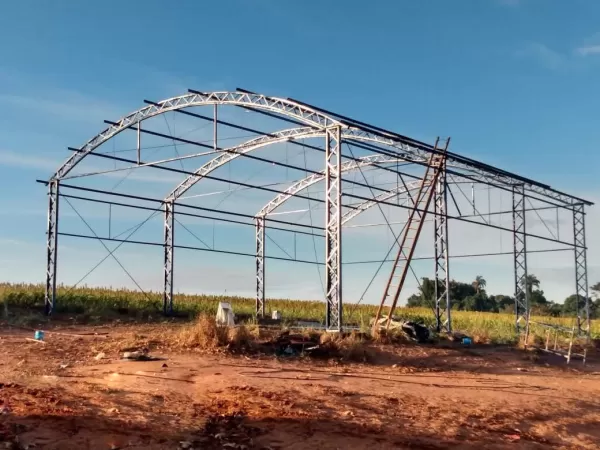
(260, 266)
(520, 255)
(333, 229)
(581, 280)
(51, 247)
(442, 266)
(169, 255)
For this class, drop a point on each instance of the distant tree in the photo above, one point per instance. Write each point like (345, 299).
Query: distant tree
(572, 304)
(596, 291)
(530, 282)
(479, 283)
(426, 295)
(414, 301)
(480, 302)
(503, 302)
(459, 292)
(427, 289)
(537, 298)
(547, 309)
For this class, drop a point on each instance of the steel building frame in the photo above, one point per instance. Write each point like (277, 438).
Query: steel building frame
(334, 130)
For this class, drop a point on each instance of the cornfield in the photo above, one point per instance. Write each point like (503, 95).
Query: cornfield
(94, 301)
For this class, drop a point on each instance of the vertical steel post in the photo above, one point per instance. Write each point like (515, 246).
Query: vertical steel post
(520, 256)
(215, 127)
(333, 229)
(169, 255)
(260, 266)
(51, 247)
(139, 143)
(581, 280)
(442, 266)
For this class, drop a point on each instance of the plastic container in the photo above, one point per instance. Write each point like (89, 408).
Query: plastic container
(466, 341)
(38, 335)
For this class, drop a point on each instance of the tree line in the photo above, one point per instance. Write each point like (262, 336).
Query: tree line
(473, 297)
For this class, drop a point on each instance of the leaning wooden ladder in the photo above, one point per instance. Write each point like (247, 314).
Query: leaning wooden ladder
(412, 230)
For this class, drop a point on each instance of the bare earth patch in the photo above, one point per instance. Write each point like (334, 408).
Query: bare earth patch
(65, 394)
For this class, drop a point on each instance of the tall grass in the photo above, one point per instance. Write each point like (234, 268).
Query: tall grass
(487, 327)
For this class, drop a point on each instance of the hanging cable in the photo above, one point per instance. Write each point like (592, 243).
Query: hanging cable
(193, 234)
(396, 238)
(311, 224)
(110, 253)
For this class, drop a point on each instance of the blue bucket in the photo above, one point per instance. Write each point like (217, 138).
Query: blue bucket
(39, 335)
(466, 341)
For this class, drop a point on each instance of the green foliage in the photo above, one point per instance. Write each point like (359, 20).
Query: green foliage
(107, 302)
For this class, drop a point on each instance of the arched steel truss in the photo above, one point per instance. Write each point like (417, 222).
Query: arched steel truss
(260, 229)
(335, 129)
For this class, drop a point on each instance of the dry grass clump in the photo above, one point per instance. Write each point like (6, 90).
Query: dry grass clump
(239, 337)
(206, 334)
(352, 346)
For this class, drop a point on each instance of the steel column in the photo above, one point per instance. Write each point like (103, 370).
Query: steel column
(169, 255)
(51, 247)
(581, 280)
(333, 229)
(442, 267)
(520, 256)
(260, 266)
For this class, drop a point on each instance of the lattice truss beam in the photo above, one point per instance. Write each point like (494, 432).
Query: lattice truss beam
(51, 246)
(312, 122)
(333, 229)
(441, 256)
(260, 266)
(522, 289)
(169, 254)
(581, 279)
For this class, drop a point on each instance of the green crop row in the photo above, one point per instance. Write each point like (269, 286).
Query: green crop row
(487, 327)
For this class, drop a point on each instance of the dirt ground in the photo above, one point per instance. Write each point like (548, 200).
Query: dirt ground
(62, 394)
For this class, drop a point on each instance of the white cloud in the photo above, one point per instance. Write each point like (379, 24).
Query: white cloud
(66, 105)
(26, 161)
(589, 50)
(543, 54)
(591, 46)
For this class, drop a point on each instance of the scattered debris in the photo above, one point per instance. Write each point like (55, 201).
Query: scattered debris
(287, 344)
(228, 431)
(36, 340)
(99, 356)
(412, 330)
(185, 445)
(456, 336)
(63, 366)
(140, 356)
(521, 369)
(164, 365)
(416, 331)
(276, 315)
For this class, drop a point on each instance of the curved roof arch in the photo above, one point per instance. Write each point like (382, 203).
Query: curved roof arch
(403, 152)
(362, 207)
(288, 108)
(314, 178)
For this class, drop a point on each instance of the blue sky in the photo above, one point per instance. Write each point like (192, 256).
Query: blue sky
(514, 82)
